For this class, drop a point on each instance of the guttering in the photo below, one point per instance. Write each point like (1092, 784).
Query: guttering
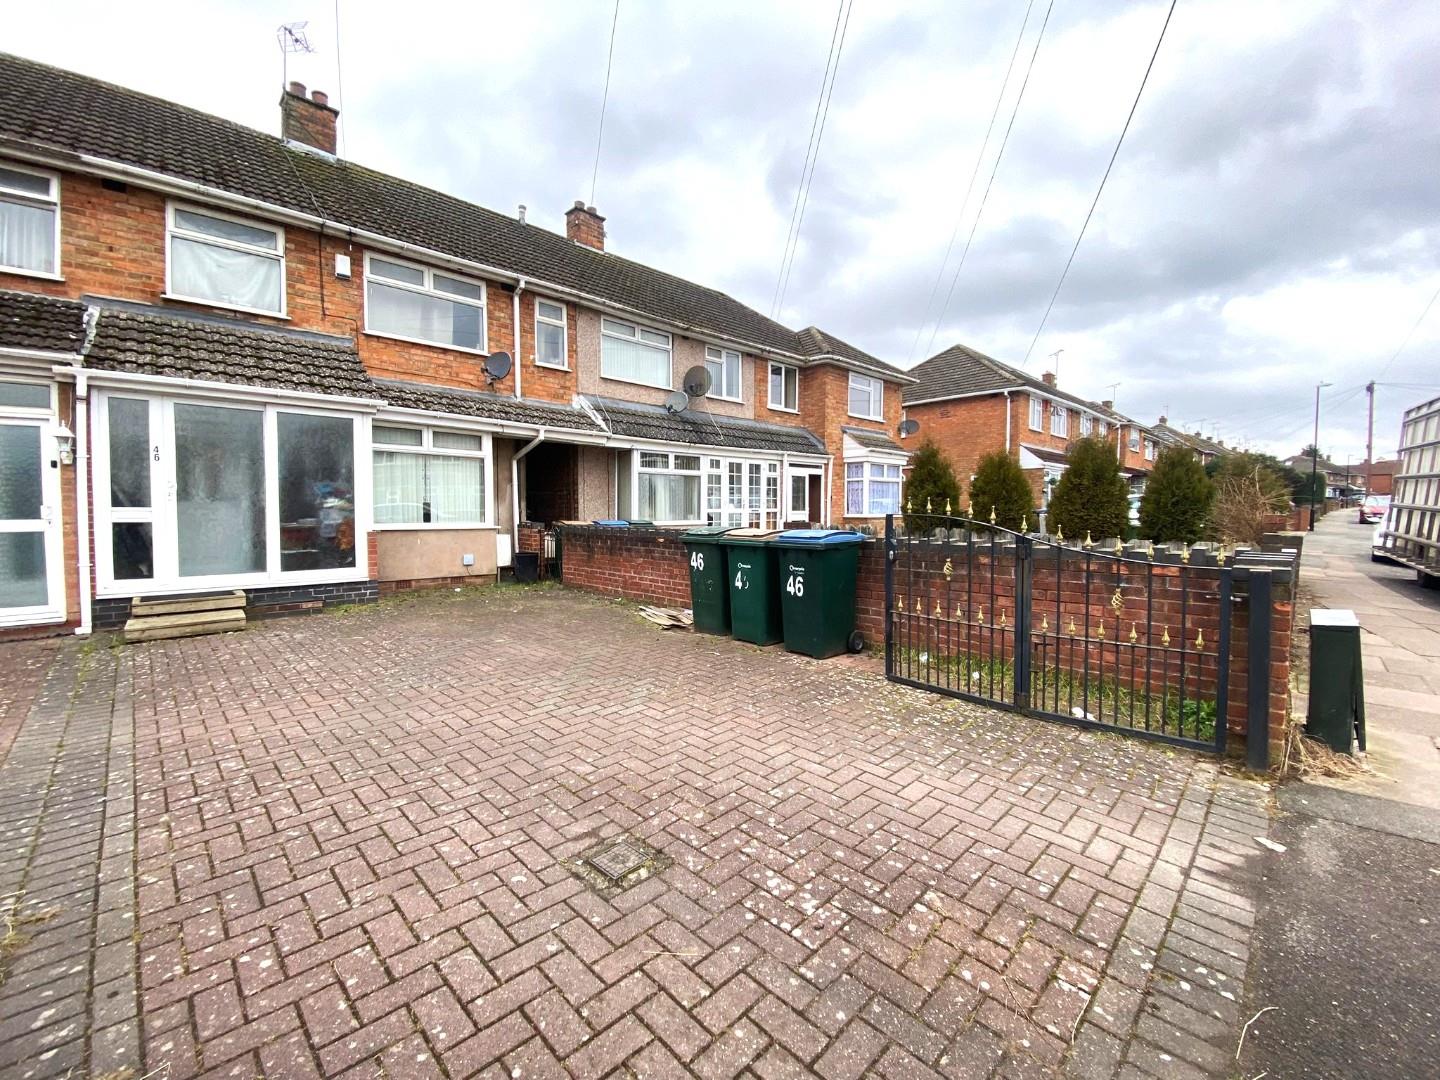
(1007, 421)
(102, 377)
(495, 427)
(515, 491)
(515, 323)
(40, 356)
(82, 498)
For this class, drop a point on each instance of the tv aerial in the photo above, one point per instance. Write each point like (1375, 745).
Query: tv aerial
(497, 366)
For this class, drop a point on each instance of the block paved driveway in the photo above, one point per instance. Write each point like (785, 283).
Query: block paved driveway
(347, 834)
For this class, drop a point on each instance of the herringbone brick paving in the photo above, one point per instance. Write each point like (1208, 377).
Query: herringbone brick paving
(350, 834)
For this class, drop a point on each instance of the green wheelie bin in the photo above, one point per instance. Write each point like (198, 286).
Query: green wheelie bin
(817, 590)
(709, 592)
(754, 592)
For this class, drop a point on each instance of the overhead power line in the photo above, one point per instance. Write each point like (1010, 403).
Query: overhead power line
(1096, 201)
(604, 101)
(812, 154)
(970, 187)
(1411, 334)
(984, 198)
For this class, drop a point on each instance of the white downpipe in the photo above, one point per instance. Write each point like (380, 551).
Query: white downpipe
(515, 492)
(1007, 421)
(82, 498)
(515, 322)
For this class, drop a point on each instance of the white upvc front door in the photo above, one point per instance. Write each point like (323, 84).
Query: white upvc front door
(32, 569)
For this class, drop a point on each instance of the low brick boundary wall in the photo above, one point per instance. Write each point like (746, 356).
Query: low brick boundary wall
(649, 566)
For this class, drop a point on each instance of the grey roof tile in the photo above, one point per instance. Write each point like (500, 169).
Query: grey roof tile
(872, 440)
(961, 370)
(630, 420)
(145, 342)
(815, 343)
(42, 323)
(439, 399)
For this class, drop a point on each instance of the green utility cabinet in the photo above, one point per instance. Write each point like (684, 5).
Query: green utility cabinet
(817, 590)
(1337, 685)
(754, 592)
(709, 588)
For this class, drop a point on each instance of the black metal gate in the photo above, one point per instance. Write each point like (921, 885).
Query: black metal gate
(1130, 639)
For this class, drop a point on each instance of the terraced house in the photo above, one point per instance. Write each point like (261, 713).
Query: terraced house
(230, 360)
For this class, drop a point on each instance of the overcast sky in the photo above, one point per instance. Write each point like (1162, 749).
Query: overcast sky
(1273, 219)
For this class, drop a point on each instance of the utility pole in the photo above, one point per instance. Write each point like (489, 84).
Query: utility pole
(1370, 436)
(1315, 454)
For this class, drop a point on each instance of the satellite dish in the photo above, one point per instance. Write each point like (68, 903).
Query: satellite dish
(697, 381)
(909, 427)
(677, 402)
(497, 365)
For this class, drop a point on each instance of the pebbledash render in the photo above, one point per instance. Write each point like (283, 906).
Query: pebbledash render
(230, 360)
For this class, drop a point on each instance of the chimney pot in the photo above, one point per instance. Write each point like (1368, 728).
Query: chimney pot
(521, 214)
(297, 88)
(1048, 378)
(319, 97)
(585, 225)
(1162, 419)
(308, 120)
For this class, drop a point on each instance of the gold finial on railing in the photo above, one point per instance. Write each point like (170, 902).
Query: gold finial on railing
(947, 505)
(992, 514)
(1200, 638)
(1134, 636)
(1025, 523)
(918, 609)
(1117, 601)
(948, 570)
(1219, 556)
(1088, 542)
(909, 504)
(1044, 624)
(1165, 639)
(939, 613)
(1060, 533)
(980, 616)
(1072, 625)
(1185, 553)
(927, 504)
(1100, 633)
(1119, 546)
(1150, 549)
(1002, 620)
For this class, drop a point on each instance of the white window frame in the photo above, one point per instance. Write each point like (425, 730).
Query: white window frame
(1104, 429)
(1037, 413)
(30, 411)
(1087, 425)
(1134, 440)
(428, 289)
(724, 358)
(867, 463)
(1059, 421)
(614, 328)
(1149, 449)
(278, 255)
(25, 198)
(669, 469)
(427, 448)
(788, 371)
(877, 396)
(161, 511)
(563, 322)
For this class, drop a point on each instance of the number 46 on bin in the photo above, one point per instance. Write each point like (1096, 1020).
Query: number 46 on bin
(697, 561)
(795, 585)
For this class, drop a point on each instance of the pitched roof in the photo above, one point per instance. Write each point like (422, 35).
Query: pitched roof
(426, 398)
(54, 108)
(218, 350)
(42, 323)
(960, 371)
(816, 343)
(871, 439)
(634, 421)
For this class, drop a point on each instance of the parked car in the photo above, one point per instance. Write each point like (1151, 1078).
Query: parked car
(1373, 509)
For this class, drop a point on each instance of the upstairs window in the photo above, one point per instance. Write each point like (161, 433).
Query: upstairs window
(1087, 424)
(1149, 450)
(1037, 414)
(1059, 421)
(633, 353)
(29, 221)
(415, 303)
(550, 345)
(867, 397)
(1104, 429)
(724, 368)
(1134, 439)
(222, 260)
(784, 387)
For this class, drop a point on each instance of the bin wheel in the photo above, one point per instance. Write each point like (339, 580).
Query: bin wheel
(857, 642)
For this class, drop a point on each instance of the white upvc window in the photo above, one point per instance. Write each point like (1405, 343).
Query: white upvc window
(1087, 424)
(1059, 421)
(1037, 413)
(667, 488)
(867, 397)
(214, 258)
(429, 478)
(1134, 439)
(633, 353)
(551, 344)
(1104, 429)
(724, 367)
(417, 303)
(872, 488)
(784, 388)
(1149, 450)
(29, 221)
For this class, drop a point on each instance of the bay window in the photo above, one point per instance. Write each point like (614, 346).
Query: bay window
(724, 368)
(633, 353)
(550, 345)
(784, 387)
(1037, 413)
(867, 397)
(429, 477)
(29, 221)
(218, 259)
(872, 488)
(416, 303)
(668, 487)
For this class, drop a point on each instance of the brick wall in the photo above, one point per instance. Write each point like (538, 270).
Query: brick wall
(963, 612)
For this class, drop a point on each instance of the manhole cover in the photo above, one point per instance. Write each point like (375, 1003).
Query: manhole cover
(614, 865)
(617, 859)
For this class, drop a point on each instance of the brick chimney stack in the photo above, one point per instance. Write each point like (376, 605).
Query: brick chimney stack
(309, 120)
(1048, 378)
(1109, 404)
(1163, 421)
(584, 225)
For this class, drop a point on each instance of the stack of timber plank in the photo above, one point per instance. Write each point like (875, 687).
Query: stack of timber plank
(185, 616)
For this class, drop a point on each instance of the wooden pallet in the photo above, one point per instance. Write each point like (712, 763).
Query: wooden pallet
(185, 616)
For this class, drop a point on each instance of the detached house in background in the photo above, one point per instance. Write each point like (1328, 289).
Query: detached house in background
(235, 361)
(972, 405)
